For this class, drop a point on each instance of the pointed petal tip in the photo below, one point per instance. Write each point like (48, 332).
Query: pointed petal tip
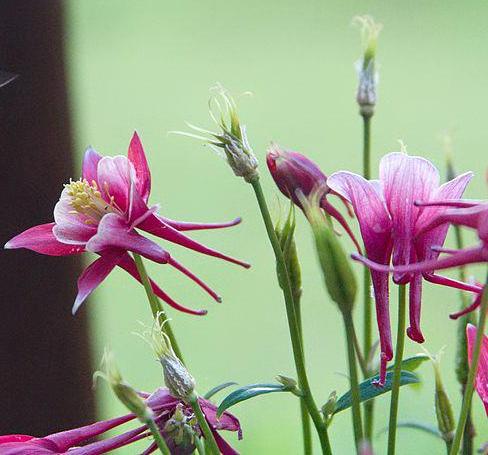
(415, 335)
(218, 299)
(9, 245)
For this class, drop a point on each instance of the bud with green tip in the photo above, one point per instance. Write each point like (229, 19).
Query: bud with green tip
(336, 268)
(329, 407)
(123, 391)
(231, 141)
(366, 66)
(289, 383)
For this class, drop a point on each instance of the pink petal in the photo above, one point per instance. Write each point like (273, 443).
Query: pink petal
(224, 447)
(405, 179)
(415, 302)
(15, 438)
(90, 165)
(161, 398)
(70, 438)
(137, 157)
(115, 175)
(481, 381)
(191, 226)
(71, 228)
(445, 281)
(113, 232)
(159, 228)
(225, 422)
(127, 263)
(94, 274)
(41, 240)
(476, 303)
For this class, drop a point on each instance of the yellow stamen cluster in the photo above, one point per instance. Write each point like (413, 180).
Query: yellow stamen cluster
(87, 200)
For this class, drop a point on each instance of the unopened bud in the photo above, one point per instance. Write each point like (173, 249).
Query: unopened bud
(368, 77)
(289, 383)
(335, 264)
(123, 391)
(285, 233)
(329, 407)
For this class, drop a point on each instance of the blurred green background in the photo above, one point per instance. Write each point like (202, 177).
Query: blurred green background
(148, 65)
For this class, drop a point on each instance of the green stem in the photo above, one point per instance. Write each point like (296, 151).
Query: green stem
(353, 377)
(306, 430)
(395, 391)
(199, 445)
(361, 360)
(203, 424)
(369, 405)
(307, 397)
(156, 307)
(158, 439)
(468, 394)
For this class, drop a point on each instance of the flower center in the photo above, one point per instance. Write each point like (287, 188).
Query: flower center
(86, 199)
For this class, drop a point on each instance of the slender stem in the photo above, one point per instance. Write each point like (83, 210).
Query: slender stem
(199, 445)
(203, 424)
(367, 323)
(462, 366)
(292, 323)
(306, 430)
(361, 360)
(158, 439)
(353, 377)
(156, 307)
(468, 394)
(395, 391)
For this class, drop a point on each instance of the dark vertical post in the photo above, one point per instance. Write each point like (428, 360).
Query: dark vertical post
(45, 369)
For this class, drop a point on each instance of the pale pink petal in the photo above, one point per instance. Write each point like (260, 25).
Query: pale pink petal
(159, 228)
(115, 175)
(405, 180)
(138, 159)
(481, 381)
(113, 232)
(128, 264)
(90, 165)
(94, 274)
(71, 228)
(41, 240)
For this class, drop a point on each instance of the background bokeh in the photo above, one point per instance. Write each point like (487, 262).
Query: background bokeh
(148, 65)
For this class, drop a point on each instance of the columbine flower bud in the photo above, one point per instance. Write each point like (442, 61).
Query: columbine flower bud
(443, 407)
(336, 268)
(123, 391)
(285, 234)
(231, 141)
(368, 77)
(293, 172)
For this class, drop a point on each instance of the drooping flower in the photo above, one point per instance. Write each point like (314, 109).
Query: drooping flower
(173, 417)
(392, 228)
(294, 173)
(481, 381)
(102, 213)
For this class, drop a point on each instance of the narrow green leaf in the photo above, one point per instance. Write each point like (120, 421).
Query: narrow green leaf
(425, 427)
(412, 363)
(368, 391)
(249, 391)
(217, 389)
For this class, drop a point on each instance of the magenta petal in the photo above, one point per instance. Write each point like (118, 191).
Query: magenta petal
(225, 422)
(445, 281)
(476, 303)
(113, 232)
(127, 263)
(159, 228)
(191, 226)
(94, 274)
(70, 438)
(41, 240)
(415, 302)
(481, 381)
(90, 164)
(138, 159)
(224, 447)
(17, 438)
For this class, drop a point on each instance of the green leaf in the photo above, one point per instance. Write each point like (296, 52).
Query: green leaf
(217, 389)
(412, 363)
(249, 391)
(368, 391)
(425, 427)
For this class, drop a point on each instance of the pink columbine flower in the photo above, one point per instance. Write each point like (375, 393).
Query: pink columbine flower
(102, 213)
(481, 381)
(392, 228)
(164, 407)
(294, 172)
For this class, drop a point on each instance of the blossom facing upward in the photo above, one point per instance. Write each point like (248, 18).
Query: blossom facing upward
(481, 381)
(296, 174)
(392, 228)
(173, 417)
(102, 213)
